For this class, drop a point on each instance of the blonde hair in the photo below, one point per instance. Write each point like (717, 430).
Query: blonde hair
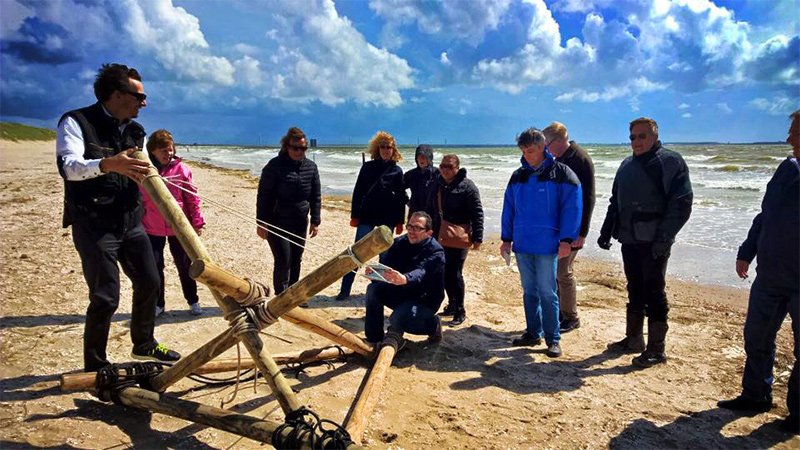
(556, 130)
(158, 139)
(646, 120)
(383, 138)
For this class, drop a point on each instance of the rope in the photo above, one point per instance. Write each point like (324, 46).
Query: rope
(109, 382)
(232, 396)
(307, 426)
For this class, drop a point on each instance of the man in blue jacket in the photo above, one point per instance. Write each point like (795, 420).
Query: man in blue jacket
(775, 238)
(541, 217)
(414, 286)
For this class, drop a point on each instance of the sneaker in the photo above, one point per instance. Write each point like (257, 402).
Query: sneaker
(627, 346)
(526, 340)
(742, 403)
(436, 337)
(447, 311)
(458, 319)
(791, 424)
(159, 311)
(568, 325)
(158, 353)
(649, 359)
(553, 350)
(195, 309)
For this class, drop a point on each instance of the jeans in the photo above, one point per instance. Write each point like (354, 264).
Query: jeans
(646, 281)
(347, 280)
(286, 256)
(538, 276)
(766, 310)
(567, 296)
(182, 264)
(99, 251)
(453, 279)
(408, 315)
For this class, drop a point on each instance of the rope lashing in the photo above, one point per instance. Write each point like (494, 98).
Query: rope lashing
(110, 382)
(306, 425)
(254, 315)
(350, 254)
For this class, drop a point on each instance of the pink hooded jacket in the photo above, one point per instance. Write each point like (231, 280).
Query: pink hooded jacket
(179, 174)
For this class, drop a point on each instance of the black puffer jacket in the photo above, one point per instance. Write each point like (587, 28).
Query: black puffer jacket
(378, 196)
(461, 204)
(422, 182)
(288, 191)
(775, 233)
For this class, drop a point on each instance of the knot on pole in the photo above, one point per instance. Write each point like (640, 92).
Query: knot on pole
(113, 378)
(259, 292)
(304, 426)
(350, 254)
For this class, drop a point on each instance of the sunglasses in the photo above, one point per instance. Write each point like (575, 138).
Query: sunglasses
(298, 148)
(139, 96)
(385, 146)
(415, 228)
(640, 136)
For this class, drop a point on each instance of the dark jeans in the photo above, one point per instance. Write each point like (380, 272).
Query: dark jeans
(408, 315)
(646, 281)
(453, 279)
(350, 277)
(182, 263)
(766, 311)
(286, 255)
(99, 251)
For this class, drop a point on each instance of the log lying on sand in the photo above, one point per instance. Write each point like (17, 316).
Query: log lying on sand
(86, 380)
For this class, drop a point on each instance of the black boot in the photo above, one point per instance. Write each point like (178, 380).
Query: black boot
(654, 354)
(634, 340)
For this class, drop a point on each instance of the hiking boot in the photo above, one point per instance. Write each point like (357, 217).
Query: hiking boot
(634, 338)
(158, 353)
(791, 424)
(553, 350)
(526, 340)
(341, 296)
(627, 345)
(447, 311)
(195, 309)
(436, 337)
(649, 359)
(742, 403)
(458, 319)
(159, 311)
(570, 324)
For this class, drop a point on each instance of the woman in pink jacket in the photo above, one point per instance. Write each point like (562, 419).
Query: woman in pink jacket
(161, 147)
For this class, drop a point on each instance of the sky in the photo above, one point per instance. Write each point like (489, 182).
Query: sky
(449, 72)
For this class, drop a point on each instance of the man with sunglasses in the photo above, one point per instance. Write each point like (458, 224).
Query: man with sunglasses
(414, 286)
(103, 205)
(651, 200)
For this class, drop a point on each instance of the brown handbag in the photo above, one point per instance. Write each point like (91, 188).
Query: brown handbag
(451, 234)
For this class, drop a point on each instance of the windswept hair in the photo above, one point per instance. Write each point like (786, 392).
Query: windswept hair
(383, 138)
(158, 139)
(531, 136)
(646, 120)
(292, 134)
(454, 157)
(113, 77)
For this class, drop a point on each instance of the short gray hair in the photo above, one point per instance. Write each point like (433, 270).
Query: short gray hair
(423, 215)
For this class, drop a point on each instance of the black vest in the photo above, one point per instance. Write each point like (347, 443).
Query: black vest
(110, 201)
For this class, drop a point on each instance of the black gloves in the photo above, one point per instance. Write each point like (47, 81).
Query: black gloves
(660, 249)
(604, 242)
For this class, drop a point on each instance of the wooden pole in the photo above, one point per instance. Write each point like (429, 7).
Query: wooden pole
(239, 424)
(191, 243)
(370, 390)
(85, 381)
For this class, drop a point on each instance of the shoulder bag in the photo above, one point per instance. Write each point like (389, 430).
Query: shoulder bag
(450, 234)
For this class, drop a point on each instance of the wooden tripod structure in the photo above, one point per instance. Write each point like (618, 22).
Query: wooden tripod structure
(234, 296)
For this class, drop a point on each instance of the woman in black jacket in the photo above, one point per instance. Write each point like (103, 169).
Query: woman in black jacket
(459, 202)
(422, 181)
(288, 191)
(379, 197)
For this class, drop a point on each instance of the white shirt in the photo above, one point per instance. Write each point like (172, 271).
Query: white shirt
(70, 148)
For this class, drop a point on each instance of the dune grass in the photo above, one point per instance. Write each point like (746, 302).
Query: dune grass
(11, 131)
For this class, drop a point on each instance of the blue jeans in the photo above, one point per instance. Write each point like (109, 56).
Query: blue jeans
(538, 276)
(766, 310)
(408, 315)
(347, 280)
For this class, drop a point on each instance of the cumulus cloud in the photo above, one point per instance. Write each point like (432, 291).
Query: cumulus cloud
(444, 59)
(776, 106)
(467, 21)
(776, 61)
(683, 106)
(723, 106)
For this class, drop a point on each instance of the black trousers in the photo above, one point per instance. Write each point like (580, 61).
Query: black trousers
(646, 281)
(182, 263)
(287, 256)
(100, 250)
(453, 278)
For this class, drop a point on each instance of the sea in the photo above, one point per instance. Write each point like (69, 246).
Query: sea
(729, 181)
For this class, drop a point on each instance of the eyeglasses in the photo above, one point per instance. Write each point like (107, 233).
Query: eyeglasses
(640, 136)
(447, 166)
(415, 228)
(298, 148)
(547, 144)
(139, 95)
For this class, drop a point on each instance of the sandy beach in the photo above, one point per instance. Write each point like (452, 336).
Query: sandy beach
(471, 391)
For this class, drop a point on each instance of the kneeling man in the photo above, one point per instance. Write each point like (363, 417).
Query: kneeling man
(414, 287)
